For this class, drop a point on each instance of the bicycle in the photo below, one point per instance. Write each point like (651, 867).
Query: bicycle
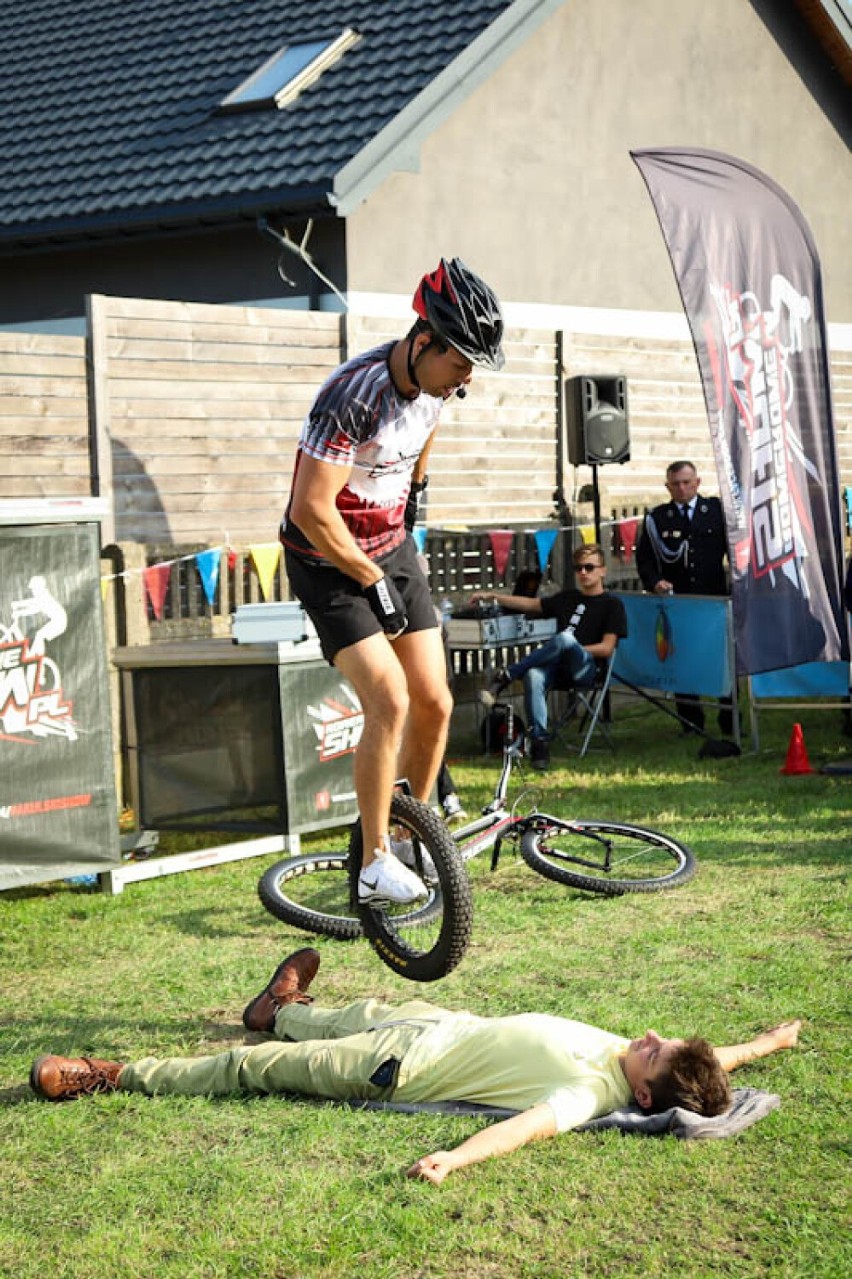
(425, 941)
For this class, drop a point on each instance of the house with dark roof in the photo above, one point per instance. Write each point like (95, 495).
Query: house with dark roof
(300, 154)
(163, 160)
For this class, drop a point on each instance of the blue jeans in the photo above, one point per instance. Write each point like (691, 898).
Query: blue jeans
(560, 657)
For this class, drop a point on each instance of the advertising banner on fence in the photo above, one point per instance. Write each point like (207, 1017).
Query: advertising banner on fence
(677, 643)
(58, 813)
(322, 722)
(749, 276)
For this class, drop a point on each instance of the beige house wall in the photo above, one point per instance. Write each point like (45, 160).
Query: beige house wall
(532, 183)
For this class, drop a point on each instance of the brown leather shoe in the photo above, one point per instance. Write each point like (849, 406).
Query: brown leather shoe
(289, 984)
(64, 1078)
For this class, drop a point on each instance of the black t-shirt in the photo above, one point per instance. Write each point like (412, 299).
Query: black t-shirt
(589, 617)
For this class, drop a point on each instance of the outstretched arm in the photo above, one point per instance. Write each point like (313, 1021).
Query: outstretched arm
(498, 1139)
(530, 604)
(770, 1041)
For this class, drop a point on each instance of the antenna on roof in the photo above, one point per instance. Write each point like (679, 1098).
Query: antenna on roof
(301, 251)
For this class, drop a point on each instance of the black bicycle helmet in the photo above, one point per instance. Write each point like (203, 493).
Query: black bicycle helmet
(463, 311)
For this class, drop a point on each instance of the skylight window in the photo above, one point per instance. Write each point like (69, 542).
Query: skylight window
(288, 72)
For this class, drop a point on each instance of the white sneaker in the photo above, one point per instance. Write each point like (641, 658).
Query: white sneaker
(404, 850)
(386, 879)
(453, 811)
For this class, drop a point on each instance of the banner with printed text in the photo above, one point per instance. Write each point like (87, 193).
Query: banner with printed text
(58, 813)
(749, 277)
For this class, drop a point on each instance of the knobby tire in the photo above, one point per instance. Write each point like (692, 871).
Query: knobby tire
(313, 892)
(640, 860)
(426, 947)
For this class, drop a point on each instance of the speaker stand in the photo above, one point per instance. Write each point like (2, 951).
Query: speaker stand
(596, 500)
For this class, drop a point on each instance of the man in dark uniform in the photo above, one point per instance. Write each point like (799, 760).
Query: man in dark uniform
(681, 551)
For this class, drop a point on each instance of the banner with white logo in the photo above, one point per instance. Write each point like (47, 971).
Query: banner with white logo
(58, 812)
(749, 277)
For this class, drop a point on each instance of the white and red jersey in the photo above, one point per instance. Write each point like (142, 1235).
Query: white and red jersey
(360, 420)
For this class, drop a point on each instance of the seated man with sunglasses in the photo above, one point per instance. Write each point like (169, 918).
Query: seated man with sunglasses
(590, 623)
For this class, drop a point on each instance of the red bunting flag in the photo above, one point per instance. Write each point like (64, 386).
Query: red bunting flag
(501, 546)
(627, 530)
(156, 578)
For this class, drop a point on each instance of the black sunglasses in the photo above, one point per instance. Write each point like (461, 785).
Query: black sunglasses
(586, 568)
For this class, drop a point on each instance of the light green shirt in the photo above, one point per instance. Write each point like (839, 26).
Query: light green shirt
(517, 1062)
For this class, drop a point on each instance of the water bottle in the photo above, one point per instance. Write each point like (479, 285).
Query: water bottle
(446, 610)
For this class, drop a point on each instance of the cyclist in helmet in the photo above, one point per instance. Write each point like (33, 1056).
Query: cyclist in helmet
(354, 568)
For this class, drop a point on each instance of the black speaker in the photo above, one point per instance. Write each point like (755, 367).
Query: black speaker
(596, 422)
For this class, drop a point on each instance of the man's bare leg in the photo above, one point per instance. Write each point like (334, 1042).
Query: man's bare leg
(770, 1041)
(430, 706)
(375, 673)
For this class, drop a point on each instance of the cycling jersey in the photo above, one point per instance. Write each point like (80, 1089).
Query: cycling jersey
(360, 420)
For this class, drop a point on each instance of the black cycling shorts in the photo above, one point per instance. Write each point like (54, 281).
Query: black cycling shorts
(338, 608)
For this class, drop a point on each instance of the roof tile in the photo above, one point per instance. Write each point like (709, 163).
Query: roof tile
(111, 110)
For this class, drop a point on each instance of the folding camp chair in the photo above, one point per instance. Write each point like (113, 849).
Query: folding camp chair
(586, 708)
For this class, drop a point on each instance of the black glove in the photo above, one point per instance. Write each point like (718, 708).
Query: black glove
(387, 604)
(409, 519)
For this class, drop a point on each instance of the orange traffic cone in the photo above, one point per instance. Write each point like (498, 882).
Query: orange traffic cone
(797, 761)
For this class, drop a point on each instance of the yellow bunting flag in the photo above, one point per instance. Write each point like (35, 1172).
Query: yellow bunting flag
(265, 556)
(587, 533)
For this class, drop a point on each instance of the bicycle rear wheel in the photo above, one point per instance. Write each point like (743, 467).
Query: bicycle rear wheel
(605, 857)
(422, 945)
(313, 892)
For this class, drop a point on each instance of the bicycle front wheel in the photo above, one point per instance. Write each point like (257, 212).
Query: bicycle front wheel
(605, 857)
(313, 892)
(427, 944)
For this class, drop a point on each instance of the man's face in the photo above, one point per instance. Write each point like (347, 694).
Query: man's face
(682, 484)
(645, 1060)
(590, 574)
(440, 373)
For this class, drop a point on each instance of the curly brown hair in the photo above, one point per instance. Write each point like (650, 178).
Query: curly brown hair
(694, 1080)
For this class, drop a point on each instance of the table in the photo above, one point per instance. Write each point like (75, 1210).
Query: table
(251, 737)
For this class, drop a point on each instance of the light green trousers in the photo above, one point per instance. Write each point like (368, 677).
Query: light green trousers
(335, 1053)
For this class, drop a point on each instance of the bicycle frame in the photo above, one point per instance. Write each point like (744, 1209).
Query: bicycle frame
(496, 821)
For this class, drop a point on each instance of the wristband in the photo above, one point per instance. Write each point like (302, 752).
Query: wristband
(388, 606)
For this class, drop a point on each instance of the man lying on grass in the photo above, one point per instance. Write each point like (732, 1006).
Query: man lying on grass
(557, 1073)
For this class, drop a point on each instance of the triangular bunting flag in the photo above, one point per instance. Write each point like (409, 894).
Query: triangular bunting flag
(501, 546)
(208, 563)
(419, 535)
(265, 557)
(627, 530)
(104, 589)
(544, 540)
(587, 534)
(156, 578)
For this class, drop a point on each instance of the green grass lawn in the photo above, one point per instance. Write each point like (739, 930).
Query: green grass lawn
(126, 1187)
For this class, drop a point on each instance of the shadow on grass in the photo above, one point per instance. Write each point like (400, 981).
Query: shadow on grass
(16, 1096)
(218, 922)
(108, 1037)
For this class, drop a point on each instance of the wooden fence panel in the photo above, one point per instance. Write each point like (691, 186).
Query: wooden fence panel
(667, 414)
(841, 386)
(203, 406)
(44, 425)
(197, 409)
